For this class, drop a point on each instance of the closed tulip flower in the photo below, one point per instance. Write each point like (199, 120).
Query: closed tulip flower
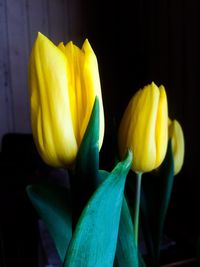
(63, 82)
(144, 128)
(178, 144)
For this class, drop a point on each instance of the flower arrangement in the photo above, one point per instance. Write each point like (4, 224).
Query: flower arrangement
(96, 221)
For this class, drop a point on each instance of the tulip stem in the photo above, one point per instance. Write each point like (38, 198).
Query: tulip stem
(137, 206)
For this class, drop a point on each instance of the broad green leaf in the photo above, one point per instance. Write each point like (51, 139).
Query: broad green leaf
(85, 180)
(53, 206)
(95, 238)
(127, 253)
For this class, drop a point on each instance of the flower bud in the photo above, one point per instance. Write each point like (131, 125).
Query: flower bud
(144, 128)
(178, 146)
(63, 83)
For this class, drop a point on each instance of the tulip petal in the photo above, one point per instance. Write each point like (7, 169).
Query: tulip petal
(143, 128)
(73, 56)
(144, 139)
(61, 46)
(178, 146)
(126, 125)
(50, 107)
(161, 127)
(92, 88)
(84, 86)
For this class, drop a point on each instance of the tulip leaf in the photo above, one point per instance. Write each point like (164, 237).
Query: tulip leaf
(127, 252)
(95, 238)
(155, 198)
(86, 178)
(53, 206)
(102, 176)
(87, 163)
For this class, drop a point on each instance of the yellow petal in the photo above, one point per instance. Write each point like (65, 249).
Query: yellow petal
(84, 85)
(178, 146)
(144, 142)
(50, 107)
(161, 127)
(73, 53)
(144, 127)
(125, 127)
(61, 47)
(91, 88)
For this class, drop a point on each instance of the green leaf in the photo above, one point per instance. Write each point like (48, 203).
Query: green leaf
(127, 253)
(102, 176)
(141, 261)
(95, 238)
(87, 162)
(157, 189)
(166, 182)
(85, 180)
(53, 205)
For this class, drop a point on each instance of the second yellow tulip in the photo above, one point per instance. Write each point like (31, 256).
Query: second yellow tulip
(144, 128)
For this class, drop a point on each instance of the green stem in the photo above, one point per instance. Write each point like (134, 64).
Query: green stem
(137, 206)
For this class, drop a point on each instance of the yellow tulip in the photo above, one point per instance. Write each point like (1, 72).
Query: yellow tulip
(63, 82)
(144, 128)
(178, 144)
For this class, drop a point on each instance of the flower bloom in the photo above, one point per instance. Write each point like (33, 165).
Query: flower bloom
(63, 82)
(144, 128)
(178, 144)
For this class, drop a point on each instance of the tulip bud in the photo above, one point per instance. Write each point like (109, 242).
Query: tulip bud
(63, 83)
(178, 146)
(144, 128)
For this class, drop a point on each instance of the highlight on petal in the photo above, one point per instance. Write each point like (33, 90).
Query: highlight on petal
(50, 108)
(72, 54)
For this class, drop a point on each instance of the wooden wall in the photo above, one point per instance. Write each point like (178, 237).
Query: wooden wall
(20, 20)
